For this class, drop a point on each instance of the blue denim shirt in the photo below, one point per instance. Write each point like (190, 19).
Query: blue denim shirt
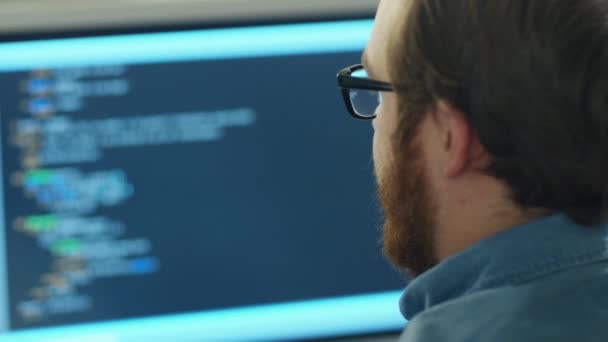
(543, 281)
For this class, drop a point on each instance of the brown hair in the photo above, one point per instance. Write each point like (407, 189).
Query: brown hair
(532, 78)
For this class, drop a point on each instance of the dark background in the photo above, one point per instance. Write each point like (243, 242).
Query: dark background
(282, 210)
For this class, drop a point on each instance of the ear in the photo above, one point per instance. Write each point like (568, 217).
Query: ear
(458, 140)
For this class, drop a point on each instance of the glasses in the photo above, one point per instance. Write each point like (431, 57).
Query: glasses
(362, 95)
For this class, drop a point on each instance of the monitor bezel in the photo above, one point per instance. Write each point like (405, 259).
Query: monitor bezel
(175, 27)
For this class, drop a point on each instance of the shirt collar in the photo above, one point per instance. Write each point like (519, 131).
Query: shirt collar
(514, 256)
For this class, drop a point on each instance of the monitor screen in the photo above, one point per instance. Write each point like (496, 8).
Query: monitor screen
(194, 185)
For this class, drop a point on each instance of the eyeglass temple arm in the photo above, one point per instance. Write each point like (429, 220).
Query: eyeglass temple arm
(349, 82)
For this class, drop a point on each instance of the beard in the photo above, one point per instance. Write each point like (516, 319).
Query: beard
(408, 208)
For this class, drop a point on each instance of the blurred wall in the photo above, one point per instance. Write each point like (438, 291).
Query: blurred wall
(24, 16)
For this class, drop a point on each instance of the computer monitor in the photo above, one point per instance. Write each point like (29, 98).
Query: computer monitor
(189, 185)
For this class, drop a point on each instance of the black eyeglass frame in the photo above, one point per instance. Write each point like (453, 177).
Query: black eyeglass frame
(346, 82)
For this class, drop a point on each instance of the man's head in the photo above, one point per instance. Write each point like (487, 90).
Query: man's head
(499, 115)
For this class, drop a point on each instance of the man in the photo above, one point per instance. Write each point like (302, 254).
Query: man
(491, 154)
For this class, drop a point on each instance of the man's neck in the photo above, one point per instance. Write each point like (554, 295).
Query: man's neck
(479, 216)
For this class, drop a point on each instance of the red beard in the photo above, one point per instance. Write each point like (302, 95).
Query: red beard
(408, 209)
